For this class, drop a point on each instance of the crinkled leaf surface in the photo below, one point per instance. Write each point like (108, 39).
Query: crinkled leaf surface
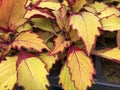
(32, 74)
(49, 60)
(111, 23)
(112, 54)
(86, 30)
(29, 40)
(38, 12)
(65, 79)
(81, 68)
(118, 39)
(60, 45)
(50, 5)
(8, 74)
(11, 14)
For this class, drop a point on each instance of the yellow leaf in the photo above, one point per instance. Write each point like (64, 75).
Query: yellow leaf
(49, 60)
(118, 6)
(11, 14)
(78, 5)
(60, 45)
(8, 74)
(111, 23)
(81, 68)
(118, 39)
(32, 74)
(109, 11)
(40, 12)
(96, 7)
(86, 30)
(29, 40)
(65, 79)
(50, 5)
(112, 54)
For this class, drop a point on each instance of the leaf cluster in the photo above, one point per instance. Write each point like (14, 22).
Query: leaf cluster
(36, 34)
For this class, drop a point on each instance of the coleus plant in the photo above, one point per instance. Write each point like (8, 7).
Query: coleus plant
(35, 34)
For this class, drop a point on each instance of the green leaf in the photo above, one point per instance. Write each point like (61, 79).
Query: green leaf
(8, 74)
(44, 24)
(24, 27)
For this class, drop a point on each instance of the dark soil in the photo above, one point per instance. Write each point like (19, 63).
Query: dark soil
(111, 71)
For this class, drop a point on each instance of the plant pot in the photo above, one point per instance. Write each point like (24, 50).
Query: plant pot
(100, 81)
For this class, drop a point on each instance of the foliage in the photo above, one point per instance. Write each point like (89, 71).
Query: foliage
(36, 34)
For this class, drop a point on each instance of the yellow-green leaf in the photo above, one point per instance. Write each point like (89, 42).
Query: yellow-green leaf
(12, 14)
(49, 60)
(96, 7)
(50, 5)
(118, 39)
(111, 23)
(32, 74)
(112, 54)
(65, 79)
(60, 45)
(81, 68)
(8, 74)
(73, 35)
(86, 30)
(29, 40)
(44, 24)
(78, 5)
(24, 27)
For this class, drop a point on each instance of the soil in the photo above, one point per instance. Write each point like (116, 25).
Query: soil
(111, 71)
